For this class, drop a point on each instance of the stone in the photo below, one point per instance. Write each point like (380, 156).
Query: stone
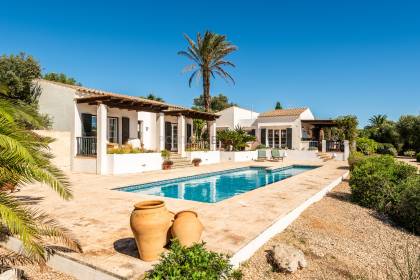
(287, 258)
(11, 274)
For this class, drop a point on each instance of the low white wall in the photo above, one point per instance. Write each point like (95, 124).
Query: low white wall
(133, 163)
(238, 156)
(302, 155)
(60, 148)
(84, 164)
(207, 157)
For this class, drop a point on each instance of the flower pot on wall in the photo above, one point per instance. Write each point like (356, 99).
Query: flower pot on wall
(150, 222)
(187, 228)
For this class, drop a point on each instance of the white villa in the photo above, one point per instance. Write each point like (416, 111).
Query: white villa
(91, 128)
(86, 122)
(294, 129)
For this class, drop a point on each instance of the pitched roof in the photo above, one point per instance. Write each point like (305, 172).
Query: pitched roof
(97, 95)
(283, 112)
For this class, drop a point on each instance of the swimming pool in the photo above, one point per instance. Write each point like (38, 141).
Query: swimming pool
(217, 186)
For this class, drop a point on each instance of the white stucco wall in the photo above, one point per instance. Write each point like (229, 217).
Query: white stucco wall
(133, 163)
(233, 116)
(207, 157)
(149, 130)
(238, 156)
(58, 102)
(307, 115)
(60, 148)
(84, 165)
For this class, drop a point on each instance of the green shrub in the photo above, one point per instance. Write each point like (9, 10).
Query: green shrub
(386, 149)
(366, 145)
(165, 154)
(195, 263)
(354, 158)
(409, 153)
(418, 157)
(374, 180)
(407, 208)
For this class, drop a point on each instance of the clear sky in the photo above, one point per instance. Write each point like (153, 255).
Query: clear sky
(336, 57)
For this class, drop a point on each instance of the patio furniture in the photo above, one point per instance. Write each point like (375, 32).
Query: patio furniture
(276, 156)
(262, 155)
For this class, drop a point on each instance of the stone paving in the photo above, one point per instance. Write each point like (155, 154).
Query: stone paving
(99, 216)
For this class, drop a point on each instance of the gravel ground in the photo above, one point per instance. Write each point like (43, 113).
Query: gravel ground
(340, 240)
(33, 272)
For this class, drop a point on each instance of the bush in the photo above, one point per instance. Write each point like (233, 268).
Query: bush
(193, 263)
(366, 145)
(375, 180)
(410, 153)
(386, 149)
(407, 205)
(418, 157)
(354, 158)
(165, 154)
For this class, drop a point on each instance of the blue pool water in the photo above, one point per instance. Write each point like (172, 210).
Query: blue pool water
(217, 186)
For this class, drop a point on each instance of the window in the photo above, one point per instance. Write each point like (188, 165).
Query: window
(112, 130)
(276, 138)
(88, 125)
(263, 136)
(283, 138)
(270, 138)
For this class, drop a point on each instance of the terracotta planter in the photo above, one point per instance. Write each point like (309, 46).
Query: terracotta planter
(150, 222)
(196, 163)
(187, 228)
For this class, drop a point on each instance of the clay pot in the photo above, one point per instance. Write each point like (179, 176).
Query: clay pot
(150, 222)
(187, 228)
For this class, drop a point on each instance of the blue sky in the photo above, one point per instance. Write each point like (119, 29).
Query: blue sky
(337, 57)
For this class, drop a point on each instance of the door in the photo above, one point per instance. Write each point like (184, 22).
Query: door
(174, 137)
(189, 133)
(112, 130)
(168, 134)
(125, 130)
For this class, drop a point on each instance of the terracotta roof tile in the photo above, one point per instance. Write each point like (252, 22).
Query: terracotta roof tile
(283, 112)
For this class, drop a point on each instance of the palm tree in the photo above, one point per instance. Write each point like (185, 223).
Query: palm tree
(208, 55)
(25, 158)
(151, 96)
(377, 121)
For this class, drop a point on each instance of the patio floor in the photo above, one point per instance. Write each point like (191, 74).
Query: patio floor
(99, 216)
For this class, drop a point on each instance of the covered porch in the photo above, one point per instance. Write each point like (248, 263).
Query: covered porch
(318, 135)
(112, 128)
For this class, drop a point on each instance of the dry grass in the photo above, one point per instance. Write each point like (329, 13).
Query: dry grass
(342, 240)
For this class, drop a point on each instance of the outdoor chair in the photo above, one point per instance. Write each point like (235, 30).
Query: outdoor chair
(262, 155)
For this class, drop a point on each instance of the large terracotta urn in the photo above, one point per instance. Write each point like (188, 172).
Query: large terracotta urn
(150, 222)
(187, 228)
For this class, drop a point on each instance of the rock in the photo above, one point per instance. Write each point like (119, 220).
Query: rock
(11, 274)
(288, 258)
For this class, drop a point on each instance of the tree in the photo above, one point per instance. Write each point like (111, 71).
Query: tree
(17, 73)
(217, 103)
(208, 54)
(408, 127)
(25, 158)
(347, 128)
(151, 96)
(278, 106)
(236, 138)
(62, 78)
(378, 120)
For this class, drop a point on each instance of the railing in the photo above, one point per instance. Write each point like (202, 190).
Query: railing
(198, 145)
(335, 146)
(86, 146)
(314, 145)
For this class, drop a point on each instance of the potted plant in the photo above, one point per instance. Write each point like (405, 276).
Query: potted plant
(167, 163)
(196, 161)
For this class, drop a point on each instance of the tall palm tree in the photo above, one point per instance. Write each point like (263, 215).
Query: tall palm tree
(208, 54)
(25, 158)
(377, 121)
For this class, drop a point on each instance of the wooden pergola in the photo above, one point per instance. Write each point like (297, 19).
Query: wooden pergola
(145, 105)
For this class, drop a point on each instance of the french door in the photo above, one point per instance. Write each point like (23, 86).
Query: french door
(277, 138)
(171, 136)
(112, 130)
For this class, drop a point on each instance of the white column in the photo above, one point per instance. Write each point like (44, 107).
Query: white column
(266, 137)
(101, 140)
(160, 132)
(76, 131)
(346, 150)
(324, 146)
(212, 135)
(181, 135)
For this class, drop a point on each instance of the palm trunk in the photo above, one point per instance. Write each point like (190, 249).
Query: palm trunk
(207, 98)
